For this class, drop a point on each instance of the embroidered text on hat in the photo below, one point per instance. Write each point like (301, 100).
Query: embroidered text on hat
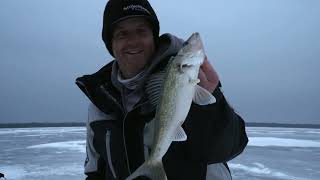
(136, 8)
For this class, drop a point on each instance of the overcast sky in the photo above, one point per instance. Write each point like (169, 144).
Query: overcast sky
(267, 54)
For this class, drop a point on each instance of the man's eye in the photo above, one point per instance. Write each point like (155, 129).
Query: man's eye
(142, 31)
(120, 35)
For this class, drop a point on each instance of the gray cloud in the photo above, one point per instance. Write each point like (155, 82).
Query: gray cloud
(266, 52)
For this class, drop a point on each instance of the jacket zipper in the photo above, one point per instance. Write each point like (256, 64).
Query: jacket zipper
(109, 158)
(111, 97)
(123, 135)
(124, 142)
(123, 121)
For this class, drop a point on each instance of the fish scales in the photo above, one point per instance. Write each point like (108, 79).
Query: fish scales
(178, 89)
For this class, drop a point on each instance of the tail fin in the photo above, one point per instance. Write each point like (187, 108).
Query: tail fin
(152, 170)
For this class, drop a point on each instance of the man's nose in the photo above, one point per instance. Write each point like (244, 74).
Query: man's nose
(133, 38)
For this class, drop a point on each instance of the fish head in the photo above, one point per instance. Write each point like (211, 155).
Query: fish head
(191, 55)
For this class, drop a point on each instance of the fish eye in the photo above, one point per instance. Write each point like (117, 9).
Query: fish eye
(185, 43)
(183, 66)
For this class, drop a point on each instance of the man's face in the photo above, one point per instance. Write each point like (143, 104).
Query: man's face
(132, 45)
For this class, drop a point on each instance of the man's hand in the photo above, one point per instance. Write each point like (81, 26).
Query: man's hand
(209, 78)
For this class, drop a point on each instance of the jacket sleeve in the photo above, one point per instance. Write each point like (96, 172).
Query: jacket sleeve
(93, 166)
(216, 133)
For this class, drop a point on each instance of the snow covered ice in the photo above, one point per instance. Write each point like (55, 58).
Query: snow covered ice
(58, 153)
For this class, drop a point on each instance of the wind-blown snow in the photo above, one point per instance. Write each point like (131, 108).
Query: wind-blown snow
(259, 169)
(68, 145)
(282, 142)
(39, 172)
(42, 130)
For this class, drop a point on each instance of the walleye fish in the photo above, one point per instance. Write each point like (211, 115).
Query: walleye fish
(178, 90)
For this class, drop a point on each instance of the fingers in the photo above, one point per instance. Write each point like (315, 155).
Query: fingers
(208, 76)
(205, 83)
(209, 71)
(202, 76)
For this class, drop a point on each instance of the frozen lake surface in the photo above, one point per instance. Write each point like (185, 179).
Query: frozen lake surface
(58, 153)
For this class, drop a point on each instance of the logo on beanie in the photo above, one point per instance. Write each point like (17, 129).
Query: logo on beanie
(136, 8)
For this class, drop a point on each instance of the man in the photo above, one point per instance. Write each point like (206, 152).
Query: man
(2, 175)
(119, 113)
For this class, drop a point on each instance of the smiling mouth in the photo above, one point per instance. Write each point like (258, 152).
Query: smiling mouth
(134, 52)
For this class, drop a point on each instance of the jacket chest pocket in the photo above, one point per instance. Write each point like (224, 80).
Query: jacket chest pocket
(114, 154)
(105, 141)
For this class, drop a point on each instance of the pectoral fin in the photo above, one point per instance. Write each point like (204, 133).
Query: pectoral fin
(202, 96)
(194, 81)
(153, 88)
(180, 135)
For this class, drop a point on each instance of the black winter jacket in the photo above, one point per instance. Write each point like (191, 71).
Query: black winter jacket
(216, 134)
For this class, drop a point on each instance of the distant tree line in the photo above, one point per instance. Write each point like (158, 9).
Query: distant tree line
(30, 125)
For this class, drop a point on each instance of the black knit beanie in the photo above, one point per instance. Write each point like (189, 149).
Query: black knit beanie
(117, 10)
